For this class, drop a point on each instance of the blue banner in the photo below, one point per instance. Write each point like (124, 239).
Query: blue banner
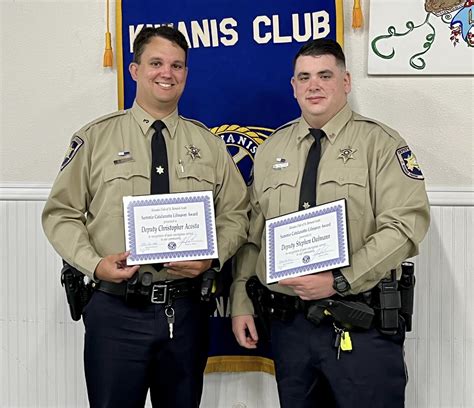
(240, 66)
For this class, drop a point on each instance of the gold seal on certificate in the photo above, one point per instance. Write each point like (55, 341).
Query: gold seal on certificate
(170, 227)
(306, 242)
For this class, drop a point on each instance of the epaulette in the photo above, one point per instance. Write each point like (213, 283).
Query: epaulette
(391, 132)
(273, 136)
(196, 122)
(292, 122)
(103, 119)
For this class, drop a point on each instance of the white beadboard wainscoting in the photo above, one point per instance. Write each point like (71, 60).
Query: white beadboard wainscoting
(41, 347)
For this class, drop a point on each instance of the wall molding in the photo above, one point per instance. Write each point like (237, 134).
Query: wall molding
(451, 196)
(438, 196)
(24, 191)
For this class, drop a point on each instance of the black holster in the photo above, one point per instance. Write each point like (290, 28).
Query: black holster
(406, 286)
(393, 299)
(78, 292)
(387, 304)
(349, 314)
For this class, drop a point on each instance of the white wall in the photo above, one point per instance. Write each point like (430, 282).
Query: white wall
(52, 83)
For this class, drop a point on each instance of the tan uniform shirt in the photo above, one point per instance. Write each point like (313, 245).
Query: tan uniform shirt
(83, 217)
(388, 210)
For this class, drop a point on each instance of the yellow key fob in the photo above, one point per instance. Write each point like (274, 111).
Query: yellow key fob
(346, 342)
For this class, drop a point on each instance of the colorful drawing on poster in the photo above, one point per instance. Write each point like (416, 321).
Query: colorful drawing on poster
(447, 21)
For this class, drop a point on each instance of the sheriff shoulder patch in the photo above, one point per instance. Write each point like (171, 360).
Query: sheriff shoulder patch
(76, 144)
(408, 163)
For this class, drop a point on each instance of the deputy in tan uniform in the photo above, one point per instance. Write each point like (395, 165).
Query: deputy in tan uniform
(369, 165)
(131, 348)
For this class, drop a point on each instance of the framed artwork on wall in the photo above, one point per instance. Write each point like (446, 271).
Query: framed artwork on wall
(421, 37)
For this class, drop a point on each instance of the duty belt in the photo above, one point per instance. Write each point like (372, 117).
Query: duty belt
(283, 307)
(279, 301)
(160, 292)
(351, 310)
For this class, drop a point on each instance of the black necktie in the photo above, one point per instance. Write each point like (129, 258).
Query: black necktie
(160, 183)
(308, 183)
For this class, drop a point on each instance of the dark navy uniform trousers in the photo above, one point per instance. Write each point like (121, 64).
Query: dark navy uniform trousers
(309, 375)
(128, 351)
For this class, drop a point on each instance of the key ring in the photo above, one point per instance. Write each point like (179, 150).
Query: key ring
(169, 311)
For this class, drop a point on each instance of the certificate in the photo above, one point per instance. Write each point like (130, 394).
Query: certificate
(170, 227)
(306, 242)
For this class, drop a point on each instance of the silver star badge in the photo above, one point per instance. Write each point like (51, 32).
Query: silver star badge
(193, 151)
(160, 170)
(346, 154)
(306, 205)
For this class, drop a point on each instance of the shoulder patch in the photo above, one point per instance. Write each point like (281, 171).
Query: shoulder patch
(408, 163)
(76, 144)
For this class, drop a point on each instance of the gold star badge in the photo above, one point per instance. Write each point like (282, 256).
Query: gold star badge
(412, 164)
(193, 151)
(346, 154)
(160, 170)
(306, 205)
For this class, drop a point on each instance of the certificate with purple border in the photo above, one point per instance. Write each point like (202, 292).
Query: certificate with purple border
(306, 242)
(170, 227)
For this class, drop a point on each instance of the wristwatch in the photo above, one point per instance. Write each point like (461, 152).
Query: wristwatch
(340, 285)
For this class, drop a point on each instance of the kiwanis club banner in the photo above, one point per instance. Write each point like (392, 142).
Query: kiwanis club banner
(240, 65)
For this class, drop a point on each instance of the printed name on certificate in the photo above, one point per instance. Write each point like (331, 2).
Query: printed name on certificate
(170, 227)
(306, 242)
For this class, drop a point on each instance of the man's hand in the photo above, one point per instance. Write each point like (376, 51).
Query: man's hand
(245, 331)
(311, 287)
(188, 269)
(114, 268)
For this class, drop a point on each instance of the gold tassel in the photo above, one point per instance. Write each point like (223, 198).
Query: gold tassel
(357, 18)
(108, 54)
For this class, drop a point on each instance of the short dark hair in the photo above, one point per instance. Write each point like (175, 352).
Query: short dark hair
(322, 46)
(169, 33)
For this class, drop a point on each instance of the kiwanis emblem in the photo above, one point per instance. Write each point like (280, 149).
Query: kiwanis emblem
(242, 143)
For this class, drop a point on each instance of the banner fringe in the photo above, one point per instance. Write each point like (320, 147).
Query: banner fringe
(237, 364)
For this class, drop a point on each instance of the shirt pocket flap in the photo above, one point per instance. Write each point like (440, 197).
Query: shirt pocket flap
(280, 178)
(198, 171)
(125, 171)
(357, 176)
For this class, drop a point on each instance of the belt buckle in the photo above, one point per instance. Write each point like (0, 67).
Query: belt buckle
(159, 294)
